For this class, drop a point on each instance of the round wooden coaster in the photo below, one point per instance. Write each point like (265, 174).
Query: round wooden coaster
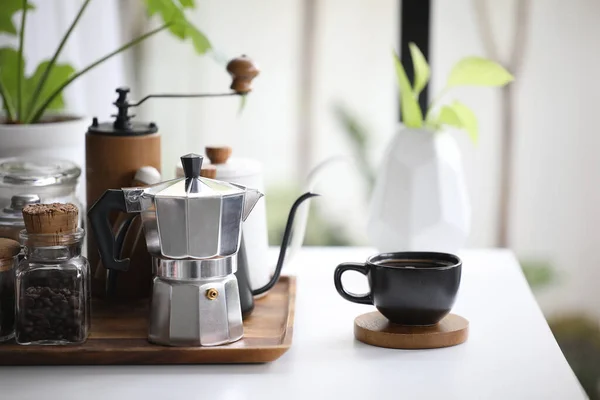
(374, 329)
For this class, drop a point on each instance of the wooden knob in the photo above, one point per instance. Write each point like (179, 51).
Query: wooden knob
(50, 218)
(208, 171)
(9, 248)
(242, 71)
(218, 155)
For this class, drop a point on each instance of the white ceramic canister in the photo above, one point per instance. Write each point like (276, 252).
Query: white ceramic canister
(248, 172)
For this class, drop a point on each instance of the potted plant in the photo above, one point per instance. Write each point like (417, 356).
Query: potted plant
(420, 200)
(32, 123)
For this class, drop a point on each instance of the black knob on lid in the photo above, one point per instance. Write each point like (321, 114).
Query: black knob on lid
(122, 116)
(192, 164)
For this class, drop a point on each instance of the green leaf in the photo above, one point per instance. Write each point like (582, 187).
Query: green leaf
(421, 68)
(58, 75)
(411, 112)
(199, 40)
(358, 135)
(538, 273)
(171, 12)
(8, 75)
(7, 10)
(469, 120)
(459, 116)
(448, 116)
(477, 71)
(187, 3)
(242, 104)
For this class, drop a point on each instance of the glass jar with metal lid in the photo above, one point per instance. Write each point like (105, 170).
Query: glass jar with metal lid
(11, 217)
(50, 179)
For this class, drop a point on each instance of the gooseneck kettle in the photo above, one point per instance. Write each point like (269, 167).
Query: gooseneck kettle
(246, 291)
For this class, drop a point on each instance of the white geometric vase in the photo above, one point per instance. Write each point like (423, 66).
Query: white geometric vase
(420, 200)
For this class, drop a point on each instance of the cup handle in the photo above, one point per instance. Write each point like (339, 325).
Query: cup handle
(337, 279)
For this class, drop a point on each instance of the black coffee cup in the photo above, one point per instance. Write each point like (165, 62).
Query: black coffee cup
(408, 288)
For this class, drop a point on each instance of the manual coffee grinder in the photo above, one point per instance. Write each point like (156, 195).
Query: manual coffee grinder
(192, 227)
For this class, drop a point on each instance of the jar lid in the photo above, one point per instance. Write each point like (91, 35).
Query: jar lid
(232, 169)
(13, 214)
(9, 248)
(237, 167)
(55, 218)
(37, 172)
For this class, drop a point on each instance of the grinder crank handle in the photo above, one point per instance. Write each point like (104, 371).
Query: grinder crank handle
(111, 200)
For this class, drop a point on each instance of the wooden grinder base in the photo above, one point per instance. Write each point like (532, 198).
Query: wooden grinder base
(374, 329)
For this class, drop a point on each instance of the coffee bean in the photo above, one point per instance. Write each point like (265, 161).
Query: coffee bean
(74, 301)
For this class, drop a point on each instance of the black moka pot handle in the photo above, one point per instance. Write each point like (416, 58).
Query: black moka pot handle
(108, 244)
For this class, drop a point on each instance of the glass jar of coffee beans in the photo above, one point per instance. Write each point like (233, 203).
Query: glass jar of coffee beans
(53, 280)
(9, 251)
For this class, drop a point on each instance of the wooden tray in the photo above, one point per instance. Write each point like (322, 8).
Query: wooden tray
(119, 337)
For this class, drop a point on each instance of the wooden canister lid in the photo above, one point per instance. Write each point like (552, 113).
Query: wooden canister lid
(52, 218)
(208, 171)
(218, 154)
(9, 248)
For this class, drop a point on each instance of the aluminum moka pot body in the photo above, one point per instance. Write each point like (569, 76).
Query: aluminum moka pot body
(195, 303)
(189, 227)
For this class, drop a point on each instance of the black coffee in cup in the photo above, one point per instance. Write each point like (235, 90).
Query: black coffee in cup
(408, 288)
(412, 263)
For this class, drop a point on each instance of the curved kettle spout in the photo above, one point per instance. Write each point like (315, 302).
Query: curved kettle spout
(287, 234)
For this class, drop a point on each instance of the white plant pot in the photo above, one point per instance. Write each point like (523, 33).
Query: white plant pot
(63, 140)
(420, 200)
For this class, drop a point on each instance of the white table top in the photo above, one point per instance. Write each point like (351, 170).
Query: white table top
(510, 354)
